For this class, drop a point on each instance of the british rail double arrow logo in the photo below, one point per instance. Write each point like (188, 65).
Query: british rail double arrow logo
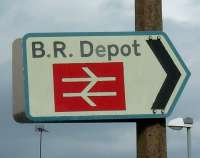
(77, 87)
(93, 79)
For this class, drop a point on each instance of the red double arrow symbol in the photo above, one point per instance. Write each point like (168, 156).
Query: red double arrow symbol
(93, 79)
(89, 87)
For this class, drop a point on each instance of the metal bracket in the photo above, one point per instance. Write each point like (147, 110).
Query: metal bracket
(158, 38)
(162, 111)
(150, 37)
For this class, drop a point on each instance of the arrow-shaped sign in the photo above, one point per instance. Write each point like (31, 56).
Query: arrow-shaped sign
(101, 76)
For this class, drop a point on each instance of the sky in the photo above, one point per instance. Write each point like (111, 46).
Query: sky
(181, 22)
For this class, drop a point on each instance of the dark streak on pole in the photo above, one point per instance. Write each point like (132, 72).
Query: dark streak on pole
(151, 133)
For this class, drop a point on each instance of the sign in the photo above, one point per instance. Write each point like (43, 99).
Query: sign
(101, 76)
(89, 87)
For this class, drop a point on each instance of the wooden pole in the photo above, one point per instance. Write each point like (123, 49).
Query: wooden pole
(148, 15)
(151, 133)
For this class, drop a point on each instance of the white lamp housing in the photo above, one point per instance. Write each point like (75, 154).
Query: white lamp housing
(179, 123)
(176, 124)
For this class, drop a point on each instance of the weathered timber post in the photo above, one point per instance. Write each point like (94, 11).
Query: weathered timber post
(151, 133)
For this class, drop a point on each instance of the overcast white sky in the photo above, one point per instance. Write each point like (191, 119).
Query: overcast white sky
(181, 22)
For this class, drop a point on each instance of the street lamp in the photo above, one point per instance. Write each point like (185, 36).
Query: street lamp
(180, 123)
(40, 129)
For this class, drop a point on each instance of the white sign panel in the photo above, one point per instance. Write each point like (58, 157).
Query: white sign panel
(101, 76)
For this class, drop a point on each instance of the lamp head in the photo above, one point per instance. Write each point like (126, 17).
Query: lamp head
(40, 128)
(176, 124)
(179, 123)
(188, 121)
